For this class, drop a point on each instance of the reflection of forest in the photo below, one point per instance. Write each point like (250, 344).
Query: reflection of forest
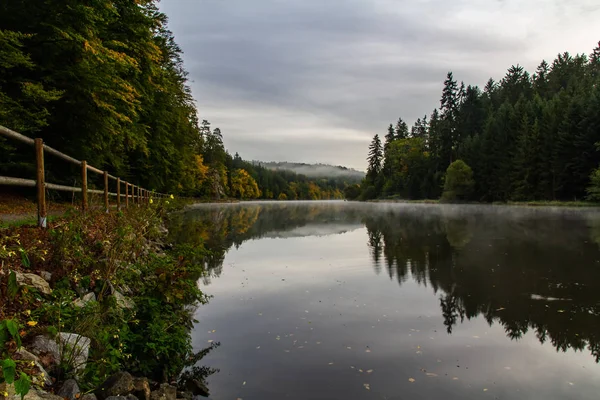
(530, 270)
(222, 226)
(525, 269)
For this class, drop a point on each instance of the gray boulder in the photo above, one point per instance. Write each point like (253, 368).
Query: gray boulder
(123, 302)
(24, 355)
(74, 348)
(46, 275)
(141, 388)
(165, 392)
(47, 350)
(69, 390)
(119, 384)
(67, 346)
(34, 281)
(84, 300)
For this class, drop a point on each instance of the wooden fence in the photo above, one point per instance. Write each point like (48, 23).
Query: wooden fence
(136, 194)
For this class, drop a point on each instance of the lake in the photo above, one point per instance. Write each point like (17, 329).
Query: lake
(342, 300)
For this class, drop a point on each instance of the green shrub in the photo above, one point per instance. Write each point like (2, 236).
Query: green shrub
(458, 183)
(593, 190)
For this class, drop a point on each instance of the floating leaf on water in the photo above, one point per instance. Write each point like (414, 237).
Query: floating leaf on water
(318, 342)
(475, 337)
(561, 311)
(258, 347)
(361, 371)
(352, 366)
(367, 386)
(210, 341)
(431, 374)
(349, 348)
(369, 371)
(500, 309)
(411, 380)
(367, 350)
(570, 383)
(454, 378)
(330, 363)
(244, 384)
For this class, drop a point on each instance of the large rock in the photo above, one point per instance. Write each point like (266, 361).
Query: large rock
(67, 346)
(84, 300)
(47, 350)
(69, 390)
(34, 281)
(123, 302)
(119, 384)
(46, 275)
(141, 388)
(165, 392)
(24, 355)
(34, 394)
(75, 349)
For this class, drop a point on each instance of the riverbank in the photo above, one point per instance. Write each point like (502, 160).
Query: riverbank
(97, 295)
(533, 203)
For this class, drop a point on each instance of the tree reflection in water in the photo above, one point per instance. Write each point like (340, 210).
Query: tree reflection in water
(522, 268)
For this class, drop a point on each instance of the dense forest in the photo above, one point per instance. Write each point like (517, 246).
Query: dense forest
(527, 137)
(104, 81)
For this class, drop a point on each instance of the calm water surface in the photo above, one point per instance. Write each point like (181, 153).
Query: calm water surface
(338, 300)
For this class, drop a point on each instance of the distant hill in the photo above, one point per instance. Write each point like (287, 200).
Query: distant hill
(316, 170)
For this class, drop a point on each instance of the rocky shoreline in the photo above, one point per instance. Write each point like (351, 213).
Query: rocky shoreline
(108, 359)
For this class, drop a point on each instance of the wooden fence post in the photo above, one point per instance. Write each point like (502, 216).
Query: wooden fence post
(40, 183)
(84, 193)
(126, 194)
(106, 190)
(118, 194)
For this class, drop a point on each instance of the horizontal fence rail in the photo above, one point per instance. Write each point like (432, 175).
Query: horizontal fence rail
(136, 194)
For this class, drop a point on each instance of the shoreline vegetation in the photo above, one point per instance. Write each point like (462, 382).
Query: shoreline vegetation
(96, 300)
(533, 203)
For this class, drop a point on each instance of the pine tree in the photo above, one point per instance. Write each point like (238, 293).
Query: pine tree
(375, 159)
(401, 129)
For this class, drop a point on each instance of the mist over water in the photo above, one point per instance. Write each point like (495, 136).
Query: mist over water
(338, 300)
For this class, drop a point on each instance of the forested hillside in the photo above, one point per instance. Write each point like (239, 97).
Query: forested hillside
(317, 170)
(527, 137)
(104, 81)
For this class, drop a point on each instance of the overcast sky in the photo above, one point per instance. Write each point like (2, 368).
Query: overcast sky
(314, 80)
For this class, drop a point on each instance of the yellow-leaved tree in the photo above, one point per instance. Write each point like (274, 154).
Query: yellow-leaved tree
(243, 185)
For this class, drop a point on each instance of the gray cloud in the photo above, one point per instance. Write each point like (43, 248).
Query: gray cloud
(313, 80)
